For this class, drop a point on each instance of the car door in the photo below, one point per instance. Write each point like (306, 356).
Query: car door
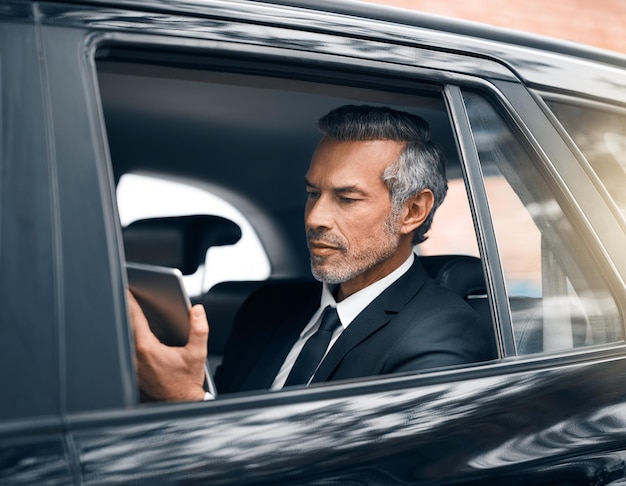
(554, 416)
(33, 446)
(59, 314)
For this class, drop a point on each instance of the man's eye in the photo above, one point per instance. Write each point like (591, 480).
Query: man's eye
(312, 194)
(347, 200)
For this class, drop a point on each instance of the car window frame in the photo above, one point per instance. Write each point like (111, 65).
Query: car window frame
(577, 100)
(511, 101)
(95, 39)
(548, 141)
(425, 77)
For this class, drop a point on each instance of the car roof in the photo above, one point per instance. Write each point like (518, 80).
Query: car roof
(540, 61)
(367, 10)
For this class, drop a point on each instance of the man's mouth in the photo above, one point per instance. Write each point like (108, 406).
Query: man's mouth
(321, 248)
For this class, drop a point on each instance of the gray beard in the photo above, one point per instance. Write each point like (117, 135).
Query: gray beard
(361, 263)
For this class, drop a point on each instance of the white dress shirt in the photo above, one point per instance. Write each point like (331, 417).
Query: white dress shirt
(347, 310)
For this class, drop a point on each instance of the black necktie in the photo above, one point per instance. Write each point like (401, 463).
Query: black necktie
(314, 349)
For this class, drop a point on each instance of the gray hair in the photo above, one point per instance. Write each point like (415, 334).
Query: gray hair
(421, 164)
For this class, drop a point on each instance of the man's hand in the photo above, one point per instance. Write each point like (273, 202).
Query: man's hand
(170, 372)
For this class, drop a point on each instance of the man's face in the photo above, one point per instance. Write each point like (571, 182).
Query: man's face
(351, 233)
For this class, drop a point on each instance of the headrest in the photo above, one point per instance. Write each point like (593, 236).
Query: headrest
(463, 274)
(179, 241)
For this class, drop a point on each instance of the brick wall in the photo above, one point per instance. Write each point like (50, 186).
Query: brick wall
(599, 23)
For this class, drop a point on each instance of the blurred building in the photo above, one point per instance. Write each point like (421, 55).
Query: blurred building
(599, 23)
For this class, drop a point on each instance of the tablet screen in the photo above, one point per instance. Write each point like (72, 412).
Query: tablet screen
(163, 299)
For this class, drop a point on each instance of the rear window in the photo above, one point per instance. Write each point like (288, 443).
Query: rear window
(600, 134)
(558, 297)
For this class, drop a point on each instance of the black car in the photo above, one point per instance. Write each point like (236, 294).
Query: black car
(221, 98)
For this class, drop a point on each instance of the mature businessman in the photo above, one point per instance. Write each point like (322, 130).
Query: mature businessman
(373, 185)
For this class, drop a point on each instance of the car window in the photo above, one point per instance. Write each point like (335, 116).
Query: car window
(558, 297)
(149, 196)
(247, 139)
(452, 232)
(600, 134)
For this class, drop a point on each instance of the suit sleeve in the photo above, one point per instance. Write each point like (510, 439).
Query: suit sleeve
(447, 335)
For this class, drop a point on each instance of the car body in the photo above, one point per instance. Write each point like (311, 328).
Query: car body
(224, 96)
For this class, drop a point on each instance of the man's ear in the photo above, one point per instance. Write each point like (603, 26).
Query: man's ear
(415, 210)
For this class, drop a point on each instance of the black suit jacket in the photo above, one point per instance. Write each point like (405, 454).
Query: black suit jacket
(414, 325)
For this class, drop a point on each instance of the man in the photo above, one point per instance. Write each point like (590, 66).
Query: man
(373, 185)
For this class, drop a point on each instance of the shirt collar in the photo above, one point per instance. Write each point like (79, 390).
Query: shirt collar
(352, 306)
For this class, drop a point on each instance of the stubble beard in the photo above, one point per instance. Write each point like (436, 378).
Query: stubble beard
(356, 264)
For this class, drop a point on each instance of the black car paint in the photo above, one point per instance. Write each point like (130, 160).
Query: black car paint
(546, 420)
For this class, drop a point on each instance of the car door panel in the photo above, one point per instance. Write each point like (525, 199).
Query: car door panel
(480, 423)
(72, 413)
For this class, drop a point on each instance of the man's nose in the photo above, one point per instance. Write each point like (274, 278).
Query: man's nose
(318, 213)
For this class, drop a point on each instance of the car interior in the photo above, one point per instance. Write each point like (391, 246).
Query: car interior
(247, 138)
(245, 130)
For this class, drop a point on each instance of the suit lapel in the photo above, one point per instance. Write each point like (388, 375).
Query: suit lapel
(376, 315)
(266, 368)
(286, 330)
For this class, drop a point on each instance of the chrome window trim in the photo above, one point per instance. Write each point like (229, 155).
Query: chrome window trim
(541, 62)
(492, 264)
(357, 38)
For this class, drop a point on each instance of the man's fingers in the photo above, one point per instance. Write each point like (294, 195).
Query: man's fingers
(138, 320)
(170, 372)
(198, 328)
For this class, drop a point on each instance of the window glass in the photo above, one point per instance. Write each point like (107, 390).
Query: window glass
(452, 231)
(601, 137)
(558, 299)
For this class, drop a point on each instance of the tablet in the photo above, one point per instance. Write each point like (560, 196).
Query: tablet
(163, 299)
(161, 295)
